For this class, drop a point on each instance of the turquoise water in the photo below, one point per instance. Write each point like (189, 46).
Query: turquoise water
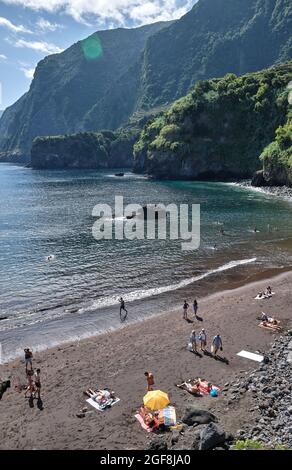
(50, 213)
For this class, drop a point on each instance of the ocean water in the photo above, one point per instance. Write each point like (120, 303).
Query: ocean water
(76, 294)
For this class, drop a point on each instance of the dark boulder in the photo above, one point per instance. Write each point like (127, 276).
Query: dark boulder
(211, 437)
(258, 179)
(193, 416)
(158, 443)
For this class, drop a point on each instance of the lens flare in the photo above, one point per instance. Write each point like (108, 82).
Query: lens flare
(92, 48)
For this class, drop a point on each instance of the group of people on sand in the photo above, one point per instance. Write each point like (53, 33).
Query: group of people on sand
(267, 293)
(202, 339)
(33, 377)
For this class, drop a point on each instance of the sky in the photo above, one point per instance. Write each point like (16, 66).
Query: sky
(32, 29)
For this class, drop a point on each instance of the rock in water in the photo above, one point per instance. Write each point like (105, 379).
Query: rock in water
(211, 436)
(192, 416)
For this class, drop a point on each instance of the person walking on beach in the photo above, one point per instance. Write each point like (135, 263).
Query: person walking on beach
(193, 341)
(28, 358)
(203, 339)
(217, 343)
(37, 383)
(185, 309)
(30, 384)
(122, 307)
(195, 307)
(150, 380)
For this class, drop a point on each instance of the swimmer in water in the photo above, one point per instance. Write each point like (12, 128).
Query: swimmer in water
(50, 258)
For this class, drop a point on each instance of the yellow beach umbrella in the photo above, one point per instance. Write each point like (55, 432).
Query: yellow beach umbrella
(156, 400)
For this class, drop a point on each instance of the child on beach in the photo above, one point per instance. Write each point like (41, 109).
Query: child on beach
(150, 380)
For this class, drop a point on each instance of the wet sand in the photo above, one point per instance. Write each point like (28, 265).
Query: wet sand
(118, 360)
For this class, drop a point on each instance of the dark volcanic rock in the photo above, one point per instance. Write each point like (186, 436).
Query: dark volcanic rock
(193, 416)
(211, 437)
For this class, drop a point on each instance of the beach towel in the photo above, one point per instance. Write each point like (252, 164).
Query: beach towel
(143, 425)
(252, 356)
(169, 415)
(265, 296)
(269, 326)
(203, 387)
(109, 403)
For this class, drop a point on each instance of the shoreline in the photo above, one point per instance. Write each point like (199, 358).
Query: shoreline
(118, 360)
(281, 192)
(256, 279)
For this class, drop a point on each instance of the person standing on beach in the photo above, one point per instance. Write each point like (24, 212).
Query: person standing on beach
(122, 307)
(195, 307)
(203, 339)
(28, 358)
(193, 341)
(185, 309)
(217, 343)
(37, 383)
(30, 384)
(150, 380)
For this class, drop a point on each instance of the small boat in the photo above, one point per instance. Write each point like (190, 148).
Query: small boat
(119, 174)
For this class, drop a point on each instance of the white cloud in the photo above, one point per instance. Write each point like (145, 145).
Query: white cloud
(28, 72)
(45, 25)
(3, 57)
(107, 11)
(13, 27)
(39, 46)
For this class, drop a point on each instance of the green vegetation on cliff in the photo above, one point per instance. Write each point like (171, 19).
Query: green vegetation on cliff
(277, 157)
(90, 150)
(219, 129)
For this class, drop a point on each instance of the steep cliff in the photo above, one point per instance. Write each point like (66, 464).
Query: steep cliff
(99, 82)
(66, 86)
(219, 129)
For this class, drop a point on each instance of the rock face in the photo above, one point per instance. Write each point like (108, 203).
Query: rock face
(69, 88)
(218, 130)
(211, 436)
(99, 82)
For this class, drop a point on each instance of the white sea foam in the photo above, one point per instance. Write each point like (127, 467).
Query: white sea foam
(144, 293)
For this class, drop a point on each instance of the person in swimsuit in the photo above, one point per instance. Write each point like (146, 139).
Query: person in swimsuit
(28, 358)
(195, 307)
(150, 380)
(30, 384)
(122, 307)
(37, 383)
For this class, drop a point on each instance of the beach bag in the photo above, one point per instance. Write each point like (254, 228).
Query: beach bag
(190, 347)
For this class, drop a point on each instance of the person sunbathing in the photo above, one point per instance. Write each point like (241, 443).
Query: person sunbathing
(192, 386)
(148, 417)
(264, 317)
(100, 396)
